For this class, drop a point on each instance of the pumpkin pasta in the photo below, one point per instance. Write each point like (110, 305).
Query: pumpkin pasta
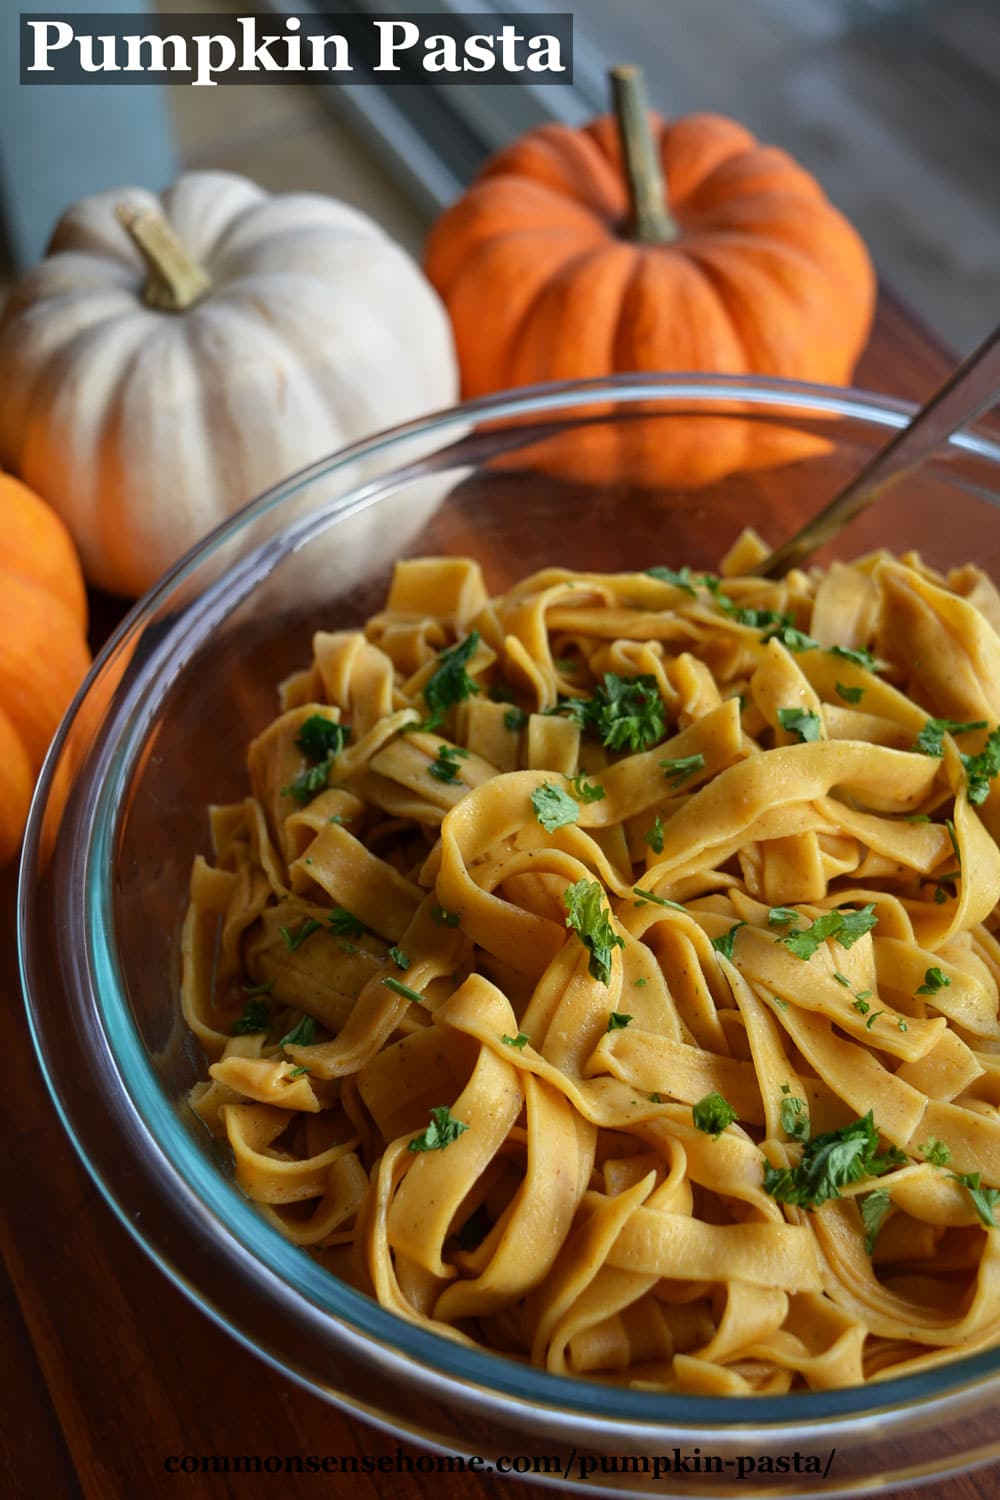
(604, 973)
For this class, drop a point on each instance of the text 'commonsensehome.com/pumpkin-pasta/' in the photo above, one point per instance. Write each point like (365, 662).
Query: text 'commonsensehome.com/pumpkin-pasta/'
(575, 1466)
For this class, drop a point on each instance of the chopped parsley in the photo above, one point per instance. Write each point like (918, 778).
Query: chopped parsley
(444, 918)
(684, 766)
(344, 923)
(873, 1018)
(293, 940)
(515, 719)
(844, 924)
(340, 819)
(849, 694)
(982, 768)
(295, 1073)
(626, 713)
(322, 739)
(647, 896)
(399, 988)
(983, 1198)
(520, 1041)
(934, 980)
(843, 979)
(680, 580)
(654, 836)
(449, 683)
(794, 1117)
(861, 1005)
(713, 1113)
(829, 1162)
(640, 982)
(780, 916)
(445, 767)
(439, 1133)
(954, 840)
(255, 1017)
(303, 1034)
(860, 657)
(587, 791)
(590, 920)
(617, 1020)
(554, 808)
(792, 639)
(656, 1098)
(309, 783)
(938, 1153)
(802, 722)
(875, 1208)
(724, 944)
(400, 958)
(930, 740)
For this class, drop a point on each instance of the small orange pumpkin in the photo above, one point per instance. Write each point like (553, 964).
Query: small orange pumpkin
(569, 258)
(43, 647)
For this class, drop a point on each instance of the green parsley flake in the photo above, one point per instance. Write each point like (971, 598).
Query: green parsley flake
(844, 924)
(308, 784)
(640, 982)
(802, 722)
(829, 1162)
(724, 944)
(445, 767)
(954, 840)
(982, 768)
(842, 979)
(780, 916)
(936, 1152)
(303, 1034)
(255, 1017)
(449, 683)
(587, 791)
(520, 1041)
(645, 896)
(930, 740)
(439, 1133)
(400, 958)
(679, 580)
(684, 766)
(983, 1198)
(590, 920)
(860, 657)
(655, 1098)
(515, 719)
(617, 1020)
(295, 1073)
(794, 1117)
(444, 918)
(934, 980)
(654, 836)
(849, 694)
(873, 1018)
(399, 988)
(294, 940)
(345, 924)
(792, 639)
(713, 1113)
(554, 808)
(875, 1208)
(626, 712)
(322, 739)
(861, 1006)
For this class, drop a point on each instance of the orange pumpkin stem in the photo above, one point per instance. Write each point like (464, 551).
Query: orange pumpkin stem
(175, 280)
(649, 221)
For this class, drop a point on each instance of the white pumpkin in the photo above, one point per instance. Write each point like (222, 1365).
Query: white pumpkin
(152, 383)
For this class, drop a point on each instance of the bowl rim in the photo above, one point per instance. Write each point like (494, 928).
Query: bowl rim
(496, 1377)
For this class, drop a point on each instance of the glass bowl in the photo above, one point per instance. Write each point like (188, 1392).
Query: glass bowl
(160, 730)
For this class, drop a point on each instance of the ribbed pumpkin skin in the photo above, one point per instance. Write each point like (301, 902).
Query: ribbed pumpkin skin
(765, 277)
(43, 649)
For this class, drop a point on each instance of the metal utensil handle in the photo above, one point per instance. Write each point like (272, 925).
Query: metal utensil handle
(974, 386)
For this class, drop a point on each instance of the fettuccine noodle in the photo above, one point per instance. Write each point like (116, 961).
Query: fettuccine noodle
(604, 974)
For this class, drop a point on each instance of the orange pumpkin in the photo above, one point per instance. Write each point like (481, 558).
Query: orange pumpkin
(43, 647)
(567, 259)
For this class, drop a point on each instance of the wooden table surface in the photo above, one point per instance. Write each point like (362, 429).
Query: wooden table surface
(108, 1370)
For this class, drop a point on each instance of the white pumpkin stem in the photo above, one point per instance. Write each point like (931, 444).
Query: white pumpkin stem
(175, 279)
(650, 220)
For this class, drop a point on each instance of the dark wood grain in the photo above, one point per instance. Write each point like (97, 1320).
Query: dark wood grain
(108, 1370)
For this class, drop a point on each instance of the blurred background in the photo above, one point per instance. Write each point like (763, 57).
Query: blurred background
(893, 104)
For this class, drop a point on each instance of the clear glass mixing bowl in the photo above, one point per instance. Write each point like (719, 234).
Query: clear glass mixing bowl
(567, 474)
